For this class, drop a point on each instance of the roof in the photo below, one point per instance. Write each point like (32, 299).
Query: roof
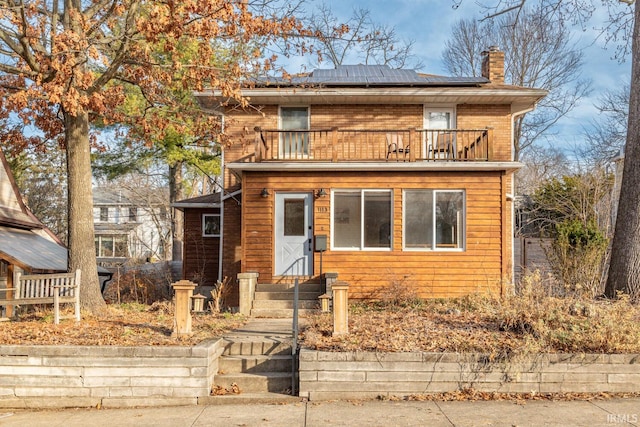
(367, 76)
(106, 196)
(206, 201)
(28, 250)
(375, 84)
(13, 211)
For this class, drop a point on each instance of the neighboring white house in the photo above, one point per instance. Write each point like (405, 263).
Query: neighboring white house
(131, 224)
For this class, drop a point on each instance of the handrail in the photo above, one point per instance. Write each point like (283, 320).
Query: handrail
(339, 145)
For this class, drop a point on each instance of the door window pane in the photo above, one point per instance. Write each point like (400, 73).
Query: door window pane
(294, 217)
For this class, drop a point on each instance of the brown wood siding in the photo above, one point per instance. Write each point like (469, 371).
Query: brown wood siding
(480, 267)
(201, 254)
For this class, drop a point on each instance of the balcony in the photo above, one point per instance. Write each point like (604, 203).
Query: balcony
(355, 145)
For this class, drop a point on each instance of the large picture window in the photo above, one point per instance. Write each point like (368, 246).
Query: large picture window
(112, 246)
(434, 219)
(362, 219)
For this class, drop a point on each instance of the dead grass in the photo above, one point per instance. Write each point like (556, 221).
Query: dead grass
(529, 323)
(122, 324)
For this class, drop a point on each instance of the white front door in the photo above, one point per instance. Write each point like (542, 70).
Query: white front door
(293, 240)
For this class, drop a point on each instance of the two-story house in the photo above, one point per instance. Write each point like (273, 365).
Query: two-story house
(407, 177)
(130, 225)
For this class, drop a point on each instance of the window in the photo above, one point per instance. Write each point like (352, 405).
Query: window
(433, 219)
(210, 225)
(133, 214)
(104, 214)
(296, 142)
(440, 142)
(112, 246)
(361, 219)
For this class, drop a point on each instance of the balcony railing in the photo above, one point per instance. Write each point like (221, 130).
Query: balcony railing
(355, 145)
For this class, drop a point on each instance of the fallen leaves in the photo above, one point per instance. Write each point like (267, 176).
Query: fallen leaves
(124, 325)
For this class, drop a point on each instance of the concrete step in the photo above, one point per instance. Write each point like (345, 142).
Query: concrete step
(277, 304)
(281, 313)
(249, 399)
(256, 347)
(273, 382)
(282, 295)
(287, 287)
(254, 364)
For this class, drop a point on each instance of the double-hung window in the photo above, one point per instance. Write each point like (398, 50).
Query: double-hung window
(434, 219)
(362, 219)
(294, 131)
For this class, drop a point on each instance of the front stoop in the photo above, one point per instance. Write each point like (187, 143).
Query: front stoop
(276, 300)
(260, 367)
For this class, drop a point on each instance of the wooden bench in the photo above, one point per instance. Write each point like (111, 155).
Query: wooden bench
(53, 289)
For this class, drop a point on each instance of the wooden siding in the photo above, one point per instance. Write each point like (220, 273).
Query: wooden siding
(201, 254)
(482, 266)
(239, 124)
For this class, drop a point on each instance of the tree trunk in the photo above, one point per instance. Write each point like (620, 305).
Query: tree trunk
(82, 250)
(176, 192)
(624, 268)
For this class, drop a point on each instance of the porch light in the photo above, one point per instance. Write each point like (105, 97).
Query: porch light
(321, 193)
(264, 193)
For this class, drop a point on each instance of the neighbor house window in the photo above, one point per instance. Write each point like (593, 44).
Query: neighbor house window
(433, 219)
(362, 219)
(294, 138)
(112, 246)
(104, 214)
(133, 214)
(210, 225)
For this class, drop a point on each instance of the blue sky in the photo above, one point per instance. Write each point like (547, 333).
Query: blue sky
(429, 23)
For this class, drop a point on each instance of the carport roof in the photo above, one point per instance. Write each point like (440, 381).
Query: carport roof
(27, 249)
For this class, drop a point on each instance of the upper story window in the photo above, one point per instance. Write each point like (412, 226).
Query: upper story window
(104, 214)
(361, 219)
(295, 142)
(434, 219)
(133, 214)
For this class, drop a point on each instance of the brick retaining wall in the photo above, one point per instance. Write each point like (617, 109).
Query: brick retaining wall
(358, 375)
(84, 376)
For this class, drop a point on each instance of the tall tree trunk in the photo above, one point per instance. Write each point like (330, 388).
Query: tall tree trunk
(176, 192)
(82, 250)
(624, 268)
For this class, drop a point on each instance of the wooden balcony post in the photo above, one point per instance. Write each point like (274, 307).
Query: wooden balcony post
(490, 144)
(259, 144)
(334, 144)
(413, 144)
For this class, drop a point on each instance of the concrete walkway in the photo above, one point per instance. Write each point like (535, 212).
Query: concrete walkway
(623, 412)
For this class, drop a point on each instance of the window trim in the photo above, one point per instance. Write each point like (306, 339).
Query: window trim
(114, 237)
(362, 192)
(434, 247)
(204, 221)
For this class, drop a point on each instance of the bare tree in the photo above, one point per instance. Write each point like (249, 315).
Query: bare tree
(539, 52)
(360, 39)
(540, 164)
(607, 132)
(624, 267)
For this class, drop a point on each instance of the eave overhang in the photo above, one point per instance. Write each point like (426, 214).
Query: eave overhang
(439, 166)
(386, 95)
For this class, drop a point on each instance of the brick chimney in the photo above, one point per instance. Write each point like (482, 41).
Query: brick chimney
(493, 64)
